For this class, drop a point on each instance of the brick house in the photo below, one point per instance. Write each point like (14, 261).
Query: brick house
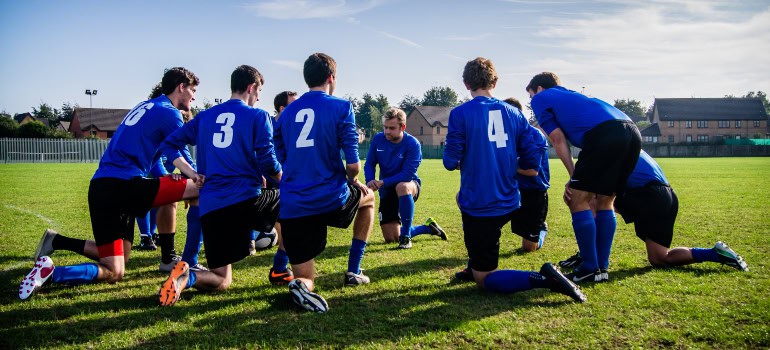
(676, 120)
(99, 121)
(428, 124)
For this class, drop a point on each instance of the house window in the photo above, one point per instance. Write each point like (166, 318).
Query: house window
(670, 138)
(757, 123)
(703, 124)
(703, 138)
(650, 139)
(421, 130)
(438, 130)
(671, 124)
(688, 124)
(724, 123)
(738, 123)
(737, 137)
(688, 138)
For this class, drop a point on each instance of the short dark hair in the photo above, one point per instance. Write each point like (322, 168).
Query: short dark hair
(243, 76)
(282, 99)
(155, 92)
(318, 67)
(546, 80)
(172, 77)
(480, 73)
(513, 102)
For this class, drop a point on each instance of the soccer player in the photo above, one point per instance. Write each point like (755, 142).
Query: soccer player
(234, 150)
(399, 155)
(610, 144)
(652, 205)
(488, 140)
(120, 190)
(317, 190)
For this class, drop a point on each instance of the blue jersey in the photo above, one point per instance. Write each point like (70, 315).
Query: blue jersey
(541, 182)
(398, 161)
(646, 170)
(133, 149)
(489, 140)
(572, 112)
(234, 150)
(165, 166)
(309, 136)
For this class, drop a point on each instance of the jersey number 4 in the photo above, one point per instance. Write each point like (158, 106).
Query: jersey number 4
(224, 138)
(306, 116)
(495, 129)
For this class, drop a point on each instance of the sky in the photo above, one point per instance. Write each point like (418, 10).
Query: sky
(52, 51)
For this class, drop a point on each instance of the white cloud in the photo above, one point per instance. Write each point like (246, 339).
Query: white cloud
(399, 39)
(467, 37)
(293, 65)
(304, 9)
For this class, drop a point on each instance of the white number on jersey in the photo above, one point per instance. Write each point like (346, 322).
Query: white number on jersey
(137, 113)
(495, 129)
(224, 138)
(302, 140)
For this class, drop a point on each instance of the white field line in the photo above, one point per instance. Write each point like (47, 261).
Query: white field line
(50, 222)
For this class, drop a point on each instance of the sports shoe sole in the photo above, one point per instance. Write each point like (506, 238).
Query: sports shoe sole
(171, 290)
(44, 246)
(434, 225)
(562, 284)
(306, 299)
(42, 271)
(729, 257)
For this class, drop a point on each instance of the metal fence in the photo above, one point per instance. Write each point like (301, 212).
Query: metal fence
(51, 150)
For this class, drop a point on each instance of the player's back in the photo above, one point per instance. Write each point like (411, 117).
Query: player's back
(309, 136)
(646, 170)
(133, 148)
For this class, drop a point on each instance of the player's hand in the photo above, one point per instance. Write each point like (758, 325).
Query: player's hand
(175, 177)
(359, 185)
(186, 203)
(567, 193)
(198, 179)
(373, 185)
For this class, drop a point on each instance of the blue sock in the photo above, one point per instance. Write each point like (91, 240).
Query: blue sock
(191, 280)
(508, 281)
(704, 254)
(420, 230)
(585, 233)
(76, 274)
(153, 222)
(254, 235)
(541, 240)
(280, 260)
(406, 211)
(143, 222)
(356, 255)
(192, 245)
(606, 223)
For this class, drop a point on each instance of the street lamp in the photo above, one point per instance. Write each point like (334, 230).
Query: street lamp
(91, 94)
(217, 100)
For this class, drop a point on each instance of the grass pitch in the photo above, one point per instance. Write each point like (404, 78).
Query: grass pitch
(412, 301)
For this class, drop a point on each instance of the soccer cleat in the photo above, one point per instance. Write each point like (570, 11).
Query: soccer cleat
(729, 257)
(306, 299)
(252, 247)
(571, 262)
(42, 271)
(354, 279)
(465, 275)
(45, 246)
(559, 283)
(280, 278)
(167, 267)
(604, 276)
(578, 276)
(172, 289)
(198, 267)
(147, 243)
(404, 242)
(435, 229)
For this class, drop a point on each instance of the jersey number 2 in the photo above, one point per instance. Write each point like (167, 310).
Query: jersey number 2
(495, 129)
(225, 137)
(302, 140)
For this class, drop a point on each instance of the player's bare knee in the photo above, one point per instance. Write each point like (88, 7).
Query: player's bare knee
(367, 201)
(403, 188)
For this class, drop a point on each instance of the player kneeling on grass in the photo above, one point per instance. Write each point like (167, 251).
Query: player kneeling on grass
(120, 191)
(488, 140)
(651, 204)
(398, 154)
(235, 148)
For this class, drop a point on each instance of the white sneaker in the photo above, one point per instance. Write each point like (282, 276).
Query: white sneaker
(170, 266)
(42, 271)
(729, 257)
(306, 299)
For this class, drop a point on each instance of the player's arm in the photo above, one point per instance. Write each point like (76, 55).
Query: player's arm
(370, 167)
(560, 145)
(264, 148)
(454, 148)
(173, 145)
(526, 172)
(412, 159)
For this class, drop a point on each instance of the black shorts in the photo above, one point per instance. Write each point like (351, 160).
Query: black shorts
(529, 220)
(652, 209)
(305, 237)
(115, 203)
(482, 239)
(227, 231)
(389, 204)
(609, 155)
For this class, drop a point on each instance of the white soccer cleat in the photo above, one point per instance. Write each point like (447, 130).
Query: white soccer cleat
(42, 271)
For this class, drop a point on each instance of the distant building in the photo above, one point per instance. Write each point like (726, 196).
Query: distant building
(101, 122)
(676, 120)
(429, 124)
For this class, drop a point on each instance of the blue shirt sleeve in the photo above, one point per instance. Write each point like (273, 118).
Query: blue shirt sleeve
(455, 141)
(158, 169)
(371, 162)
(412, 159)
(349, 136)
(529, 152)
(263, 145)
(172, 146)
(544, 114)
(280, 150)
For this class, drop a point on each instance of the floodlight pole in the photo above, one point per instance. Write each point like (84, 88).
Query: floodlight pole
(91, 94)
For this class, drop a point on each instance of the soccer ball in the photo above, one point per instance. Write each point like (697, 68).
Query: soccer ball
(266, 240)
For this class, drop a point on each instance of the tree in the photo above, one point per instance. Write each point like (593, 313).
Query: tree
(632, 108)
(408, 103)
(45, 111)
(370, 111)
(67, 112)
(8, 126)
(440, 96)
(34, 129)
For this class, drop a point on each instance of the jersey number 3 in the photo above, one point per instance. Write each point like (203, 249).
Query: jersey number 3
(225, 137)
(302, 140)
(495, 129)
